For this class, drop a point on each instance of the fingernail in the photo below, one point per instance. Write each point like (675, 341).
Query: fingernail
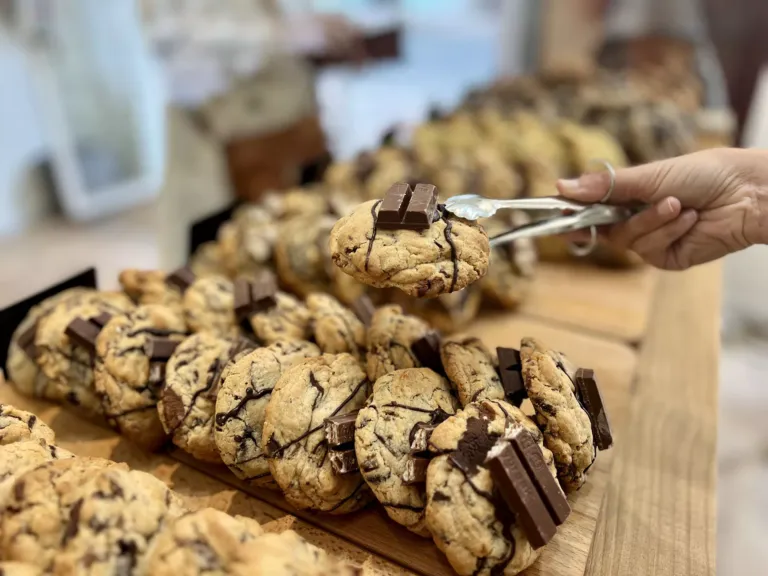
(690, 215)
(669, 206)
(569, 184)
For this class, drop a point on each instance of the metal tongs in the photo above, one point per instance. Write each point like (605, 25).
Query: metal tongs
(573, 215)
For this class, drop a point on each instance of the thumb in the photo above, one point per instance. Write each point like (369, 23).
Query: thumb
(644, 184)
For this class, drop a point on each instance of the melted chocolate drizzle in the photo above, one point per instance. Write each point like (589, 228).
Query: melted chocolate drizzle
(373, 236)
(449, 239)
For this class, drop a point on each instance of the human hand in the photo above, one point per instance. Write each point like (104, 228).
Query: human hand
(702, 206)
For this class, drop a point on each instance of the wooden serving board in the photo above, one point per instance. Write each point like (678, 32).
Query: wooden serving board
(370, 530)
(614, 303)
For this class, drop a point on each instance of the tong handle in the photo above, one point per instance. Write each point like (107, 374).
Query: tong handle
(542, 203)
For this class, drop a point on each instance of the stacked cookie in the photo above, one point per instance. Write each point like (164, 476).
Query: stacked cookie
(60, 514)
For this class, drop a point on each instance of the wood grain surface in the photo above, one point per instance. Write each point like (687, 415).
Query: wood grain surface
(659, 513)
(614, 303)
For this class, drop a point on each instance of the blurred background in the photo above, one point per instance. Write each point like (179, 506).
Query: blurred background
(123, 121)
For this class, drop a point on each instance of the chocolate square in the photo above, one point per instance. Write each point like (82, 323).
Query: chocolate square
(511, 373)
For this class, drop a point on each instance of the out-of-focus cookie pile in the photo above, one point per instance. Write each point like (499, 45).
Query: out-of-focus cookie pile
(335, 406)
(512, 139)
(67, 515)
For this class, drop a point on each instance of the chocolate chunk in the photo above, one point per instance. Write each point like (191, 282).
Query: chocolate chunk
(344, 461)
(589, 394)
(181, 278)
(242, 298)
(422, 207)
(511, 372)
(160, 348)
(427, 351)
(364, 309)
(83, 333)
(26, 341)
(264, 293)
(419, 437)
(549, 490)
(415, 470)
(102, 319)
(514, 484)
(173, 409)
(340, 430)
(393, 207)
(473, 446)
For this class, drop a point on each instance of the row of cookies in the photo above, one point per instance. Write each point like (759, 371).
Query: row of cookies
(65, 515)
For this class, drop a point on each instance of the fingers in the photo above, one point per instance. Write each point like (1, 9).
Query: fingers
(657, 247)
(626, 234)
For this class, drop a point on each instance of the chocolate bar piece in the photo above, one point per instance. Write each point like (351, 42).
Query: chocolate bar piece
(242, 298)
(83, 333)
(26, 341)
(415, 470)
(254, 297)
(427, 351)
(511, 372)
(343, 461)
(521, 496)
(364, 309)
(421, 209)
(181, 278)
(340, 430)
(160, 348)
(420, 434)
(393, 207)
(589, 394)
(549, 490)
(102, 319)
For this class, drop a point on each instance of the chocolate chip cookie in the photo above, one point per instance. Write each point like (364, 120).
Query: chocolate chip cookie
(192, 379)
(17, 425)
(300, 254)
(209, 306)
(390, 338)
(17, 458)
(113, 522)
(150, 287)
(247, 240)
(242, 401)
(469, 524)
(288, 554)
(23, 371)
(205, 541)
(127, 378)
(448, 256)
(19, 569)
(35, 515)
(548, 377)
(208, 261)
(448, 312)
(294, 432)
(472, 369)
(66, 363)
(288, 319)
(384, 431)
(336, 327)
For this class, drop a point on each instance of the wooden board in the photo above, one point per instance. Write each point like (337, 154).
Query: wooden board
(615, 303)
(659, 515)
(198, 490)
(370, 530)
(567, 554)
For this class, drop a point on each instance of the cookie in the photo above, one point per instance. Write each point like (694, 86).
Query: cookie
(336, 327)
(208, 261)
(288, 554)
(383, 433)
(246, 242)
(294, 432)
(19, 569)
(112, 523)
(125, 376)
(448, 256)
(288, 319)
(36, 513)
(472, 369)
(513, 264)
(296, 202)
(66, 363)
(469, 524)
(242, 401)
(17, 458)
(150, 287)
(187, 402)
(209, 306)
(23, 371)
(17, 425)
(202, 542)
(548, 377)
(448, 312)
(301, 254)
(390, 337)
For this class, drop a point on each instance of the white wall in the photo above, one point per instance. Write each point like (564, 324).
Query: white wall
(22, 143)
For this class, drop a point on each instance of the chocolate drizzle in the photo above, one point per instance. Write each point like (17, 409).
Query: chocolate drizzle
(449, 239)
(373, 236)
